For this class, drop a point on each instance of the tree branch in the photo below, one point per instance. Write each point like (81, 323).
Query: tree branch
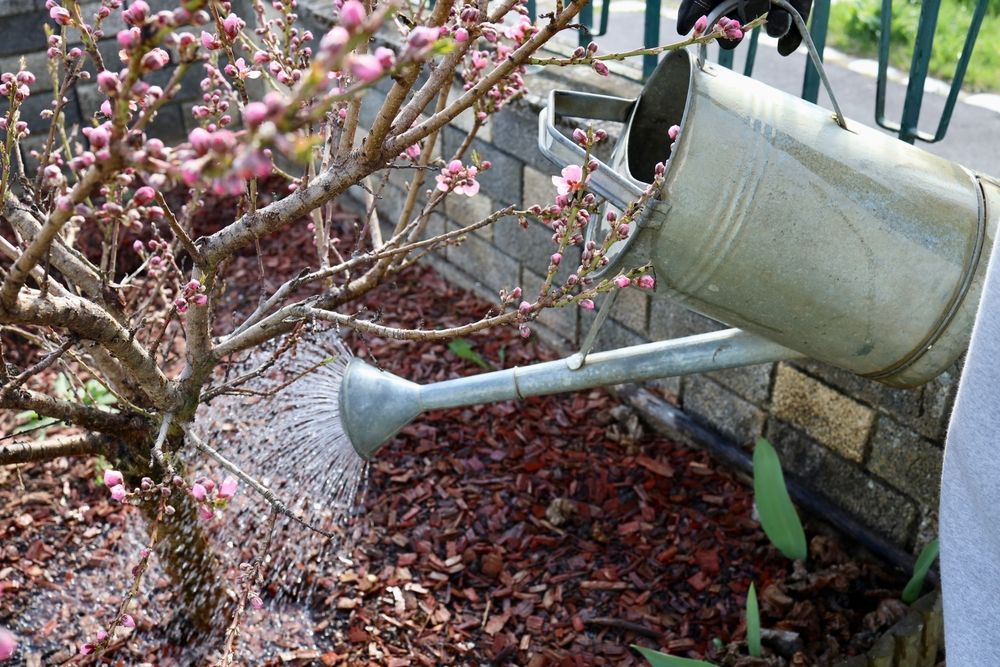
(90, 444)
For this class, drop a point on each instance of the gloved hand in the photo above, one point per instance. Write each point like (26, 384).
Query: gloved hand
(779, 22)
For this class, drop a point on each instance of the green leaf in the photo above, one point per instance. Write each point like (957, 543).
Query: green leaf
(777, 514)
(657, 659)
(61, 387)
(920, 568)
(463, 350)
(753, 623)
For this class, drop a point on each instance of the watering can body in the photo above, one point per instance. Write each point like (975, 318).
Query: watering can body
(846, 245)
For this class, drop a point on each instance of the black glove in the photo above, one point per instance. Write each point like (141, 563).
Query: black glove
(779, 22)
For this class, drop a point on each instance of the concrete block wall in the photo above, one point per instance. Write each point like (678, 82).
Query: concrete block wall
(871, 449)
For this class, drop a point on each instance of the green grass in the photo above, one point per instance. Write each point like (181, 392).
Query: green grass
(855, 27)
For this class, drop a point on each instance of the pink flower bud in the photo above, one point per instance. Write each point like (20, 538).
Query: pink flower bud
(555, 258)
(137, 13)
(261, 57)
(155, 60)
(587, 304)
(256, 602)
(232, 25)
(673, 132)
(461, 35)
(201, 140)
(7, 645)
(205, 513)
(352, 14)
(198, 491)
(118, 492)
(86, 649)
(386, 57)
(524, 330)
(255, 113)
(524, 308)
(112, 478)
(200, 299)
(333, 42)
(137, 246)
(600, 68)
(60, 15)
(144, 195)
(647, 282)
(621, 282)
(579, 136)
(129, 38)
(108, 82)
(700, 25)
(413, 152)
(128, 621)
(228, 487)
(365, 67)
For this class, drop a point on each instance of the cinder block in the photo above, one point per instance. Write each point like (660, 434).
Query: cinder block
(516, 129)
(668, 319)
(465, 121)
(907, 461)
(538, 187)
(885, 510)
(490, 269)
(723, 410)
(631, 308)
(828, 416)
(23, 33)
(751, 382)
(35, 62)
(464, 211)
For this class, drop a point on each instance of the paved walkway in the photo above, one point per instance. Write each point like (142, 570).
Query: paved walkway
(973, 138)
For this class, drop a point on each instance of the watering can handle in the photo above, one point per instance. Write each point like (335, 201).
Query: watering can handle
(730, 5)
(562, 150)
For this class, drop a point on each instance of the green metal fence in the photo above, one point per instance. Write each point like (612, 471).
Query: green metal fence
(906, 128)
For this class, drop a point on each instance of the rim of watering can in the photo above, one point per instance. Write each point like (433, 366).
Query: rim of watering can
(596, 229)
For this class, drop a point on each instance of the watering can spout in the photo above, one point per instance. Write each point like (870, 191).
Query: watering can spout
(374, 406)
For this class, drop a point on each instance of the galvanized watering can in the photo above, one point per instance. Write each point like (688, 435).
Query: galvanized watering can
(813, 236)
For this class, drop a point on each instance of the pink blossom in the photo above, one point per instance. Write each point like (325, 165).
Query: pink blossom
(200, 299)
(144, 195)
(199, 491)
(210, 41)
(118, 492)
(673, 132)
(571, 179)
(205, 513)
(86, 649)
(101, 635)
(700, 25)
(261, 57)
(128, 621)
(461, 35)
(252, 164)
(201, 140)
(228, 487)
(365, 67)
(621, 282)
(352, 14)
(647, 282)
(587, 304)
(7, 644)
(60, 15)
(480, 60)
(520, 30)
(256, 602)
(137, 13)
(413, 151)
(459, 179)
(113, 478)
(334, 41)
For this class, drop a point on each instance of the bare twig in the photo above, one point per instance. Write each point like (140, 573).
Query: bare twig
(37, 368)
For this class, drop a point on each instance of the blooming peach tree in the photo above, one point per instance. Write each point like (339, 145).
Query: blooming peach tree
(105, 277)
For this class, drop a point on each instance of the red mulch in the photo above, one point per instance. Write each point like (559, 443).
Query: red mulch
(555, 531)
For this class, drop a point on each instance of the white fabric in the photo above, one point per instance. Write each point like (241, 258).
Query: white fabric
(970, 496)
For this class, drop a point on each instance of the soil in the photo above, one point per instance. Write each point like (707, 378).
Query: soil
(554, 531)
